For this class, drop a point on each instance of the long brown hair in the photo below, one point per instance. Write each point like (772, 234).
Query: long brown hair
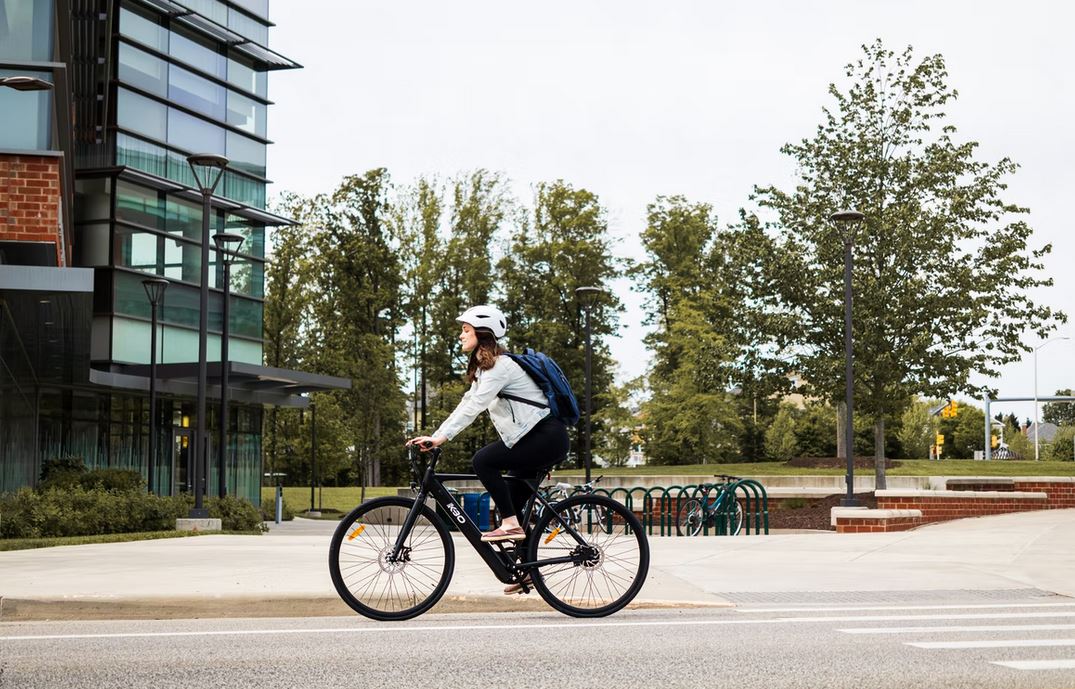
(484, 355)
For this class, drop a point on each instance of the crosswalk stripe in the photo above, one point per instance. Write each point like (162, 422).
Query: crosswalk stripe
(973, 628)
(1064, 664)
(865, 608)
(991, 643)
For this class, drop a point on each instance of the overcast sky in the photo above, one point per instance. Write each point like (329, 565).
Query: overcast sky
(633, 99)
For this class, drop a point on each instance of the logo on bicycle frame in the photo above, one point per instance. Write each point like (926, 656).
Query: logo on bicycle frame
(456, 513)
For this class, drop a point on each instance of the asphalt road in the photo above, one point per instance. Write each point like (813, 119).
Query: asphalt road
(929, 641)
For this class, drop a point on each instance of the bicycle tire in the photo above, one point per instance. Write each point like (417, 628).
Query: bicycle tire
(690, 518)
(385, 591)
(607, 583)
(737, 520)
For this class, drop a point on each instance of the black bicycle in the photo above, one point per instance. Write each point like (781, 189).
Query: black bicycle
(392, 558)
(712, 506)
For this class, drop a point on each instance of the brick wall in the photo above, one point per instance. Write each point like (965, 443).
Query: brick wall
(1061, 493)
(30, 200)
(936, 507)
(883, 525)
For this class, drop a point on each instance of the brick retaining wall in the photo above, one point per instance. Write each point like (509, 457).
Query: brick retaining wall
(30, 197)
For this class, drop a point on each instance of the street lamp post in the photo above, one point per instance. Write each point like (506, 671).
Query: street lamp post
(155, 288)
(227, 245)
(1037, 428)
(313, 451)
(587, 296)
(208, 169)
(846, 221)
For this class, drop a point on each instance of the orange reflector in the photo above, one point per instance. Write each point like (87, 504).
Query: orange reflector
(552, 535)
(357, 532)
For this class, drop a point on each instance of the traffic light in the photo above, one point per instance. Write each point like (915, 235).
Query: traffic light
(951, 410)
(994, 441)
(940, 439)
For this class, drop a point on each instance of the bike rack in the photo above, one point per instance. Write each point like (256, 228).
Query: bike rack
(660, 507)
(755, 507)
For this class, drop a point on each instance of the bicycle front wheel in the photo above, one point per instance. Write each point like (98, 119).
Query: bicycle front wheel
(607, 567)
(690, 518)
(364, 573)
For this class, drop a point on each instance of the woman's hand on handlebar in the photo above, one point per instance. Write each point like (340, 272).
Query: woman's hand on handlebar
(426, 443)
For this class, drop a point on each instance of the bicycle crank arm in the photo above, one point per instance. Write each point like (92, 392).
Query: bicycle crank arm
(551, 561)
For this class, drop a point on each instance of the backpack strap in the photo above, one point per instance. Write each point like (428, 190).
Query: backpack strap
(516, 398)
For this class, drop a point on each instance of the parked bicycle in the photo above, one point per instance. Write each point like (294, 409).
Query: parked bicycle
(562, 491)
(711, 506)
(392, 558)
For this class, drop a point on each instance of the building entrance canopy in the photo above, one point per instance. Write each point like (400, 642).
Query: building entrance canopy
(246, 382)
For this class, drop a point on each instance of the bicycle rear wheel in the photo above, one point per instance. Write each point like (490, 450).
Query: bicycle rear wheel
(607, 569)
(369, 582)
(690, 518)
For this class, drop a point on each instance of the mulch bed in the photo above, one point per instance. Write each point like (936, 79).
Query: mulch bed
(816, 514)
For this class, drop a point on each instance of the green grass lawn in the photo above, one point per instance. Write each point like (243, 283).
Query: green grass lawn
(27, 543)
(339, 499)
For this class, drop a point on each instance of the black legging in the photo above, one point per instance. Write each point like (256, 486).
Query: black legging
(545, 445)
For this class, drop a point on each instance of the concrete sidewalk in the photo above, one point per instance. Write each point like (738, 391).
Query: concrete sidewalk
(285, 572)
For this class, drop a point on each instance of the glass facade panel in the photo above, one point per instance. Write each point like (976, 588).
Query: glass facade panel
(27, 115)
(198, 53)
(138, 250)
(248, 277)
(181, 307)
(140, 154)
(144, 27)
(182, 260)
(139, 205)
(26, 30)
(246, 114)
(244, 190)
(253, 235)
(142, 115)
(258, 8)
(246, 154)
(211, 9)
(242, 75)
(139, 68)
(192, 91)
(194, 134)
(247, 26)
(184, 217)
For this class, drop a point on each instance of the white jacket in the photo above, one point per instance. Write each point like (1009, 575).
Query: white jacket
(511, 419)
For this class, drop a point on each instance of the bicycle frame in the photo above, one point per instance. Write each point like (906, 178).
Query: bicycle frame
(498, 557)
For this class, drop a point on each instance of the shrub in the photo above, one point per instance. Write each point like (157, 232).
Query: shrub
(235, 514)
(61, 472)
(113, 480)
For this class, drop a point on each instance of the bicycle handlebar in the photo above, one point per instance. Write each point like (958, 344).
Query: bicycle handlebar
(727, 477)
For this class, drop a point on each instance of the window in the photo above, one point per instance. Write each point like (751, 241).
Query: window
(139, 205)
(26, 30)
(141, 155)
(142, 115)
(198, 53)
(182, 260)
(248, 27)
(27, 115)
(139, 68)
(253, 235)
(246, 114)
(184, 218)
(143, 27)
(259, 8)
(244, 190)
(194, 134)
(242, 74)
(246, 154)
(189, 90)
(137, 250)
(212, 9)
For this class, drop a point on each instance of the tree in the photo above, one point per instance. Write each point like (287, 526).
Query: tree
(964, 433)
(620, 423)
(780, 442)
(918, 429)
(814, 430)
(1060, 413)
(1061, 449)
(943, 264)
(563, 245)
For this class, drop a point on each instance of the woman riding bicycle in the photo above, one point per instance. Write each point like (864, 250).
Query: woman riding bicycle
(531, 441)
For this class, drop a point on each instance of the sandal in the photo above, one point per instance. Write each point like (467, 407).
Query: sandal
(517, 587)
(501, 534)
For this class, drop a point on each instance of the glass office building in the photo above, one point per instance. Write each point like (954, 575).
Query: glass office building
(149, 82)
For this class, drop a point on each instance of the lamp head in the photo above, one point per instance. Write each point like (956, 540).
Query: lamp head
(25, 83)
(208, 168)
(227, 243)
(155, 288)
(588, 295)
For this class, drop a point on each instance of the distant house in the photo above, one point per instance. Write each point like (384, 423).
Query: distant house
(1047, 432)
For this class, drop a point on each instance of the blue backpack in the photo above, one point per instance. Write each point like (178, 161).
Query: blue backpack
(552, 381)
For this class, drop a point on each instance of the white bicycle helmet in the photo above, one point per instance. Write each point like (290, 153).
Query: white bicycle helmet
(484, 316)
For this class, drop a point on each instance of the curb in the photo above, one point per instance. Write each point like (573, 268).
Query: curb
(33, 610)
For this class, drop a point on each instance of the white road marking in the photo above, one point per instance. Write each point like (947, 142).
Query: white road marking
(565, 625)
(979, 606)
(992, 643)
(1066, 664)
(981, 628)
